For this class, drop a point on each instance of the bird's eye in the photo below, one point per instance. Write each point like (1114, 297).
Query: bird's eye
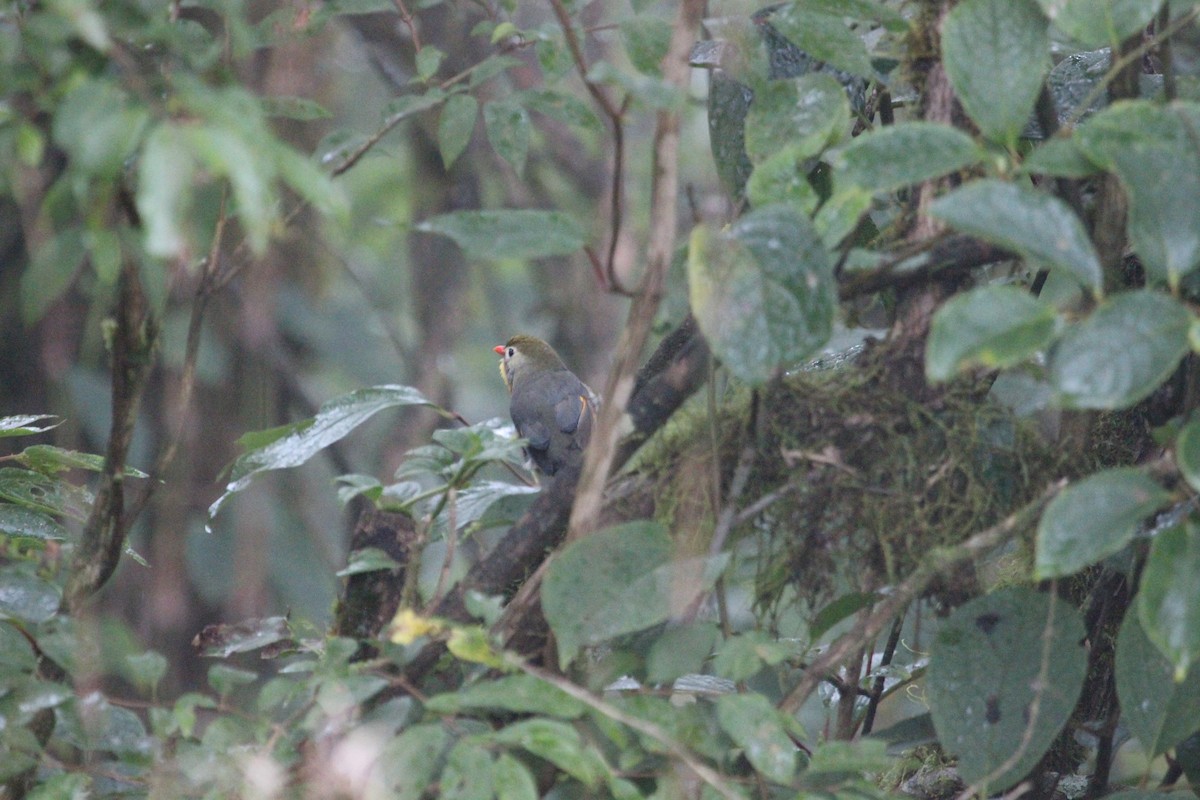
(510, 352)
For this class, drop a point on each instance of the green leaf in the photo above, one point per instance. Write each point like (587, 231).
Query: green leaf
(755, 725)
(804, 115)
(455, 126)
(22, 425)
(146, 669)
(894, 156)
(783, 178)
(1169, 598)
(858, 9)
(164, 180)
(224, 679)
(508, 129)
(99, 126)
(680, 651)
(30, 524)
(48, 459)
(509, 233)
(468, 772)
(839, 609)
(833, 761)
(1122, 352)
(619, 580)
(558, 743)
(521, 694)
(1160, 712)
(996, 53)
(1187, 453)
(367, 559)
(225, 640)
(429, 60)
(824, 36)
(839, 216)
(646, 41)
(336, 419)
(1094, 518)
(40, 492)
(1060, 157)
(1036, 225)
(474, 501)
(50, 273)
(992, 326)
(762, 291)
(298, 108)
(227, 151)
(1096, 23)
(743, 656)
(410, 760)
(984, 674)
(511, 780)
(1152, 149)
(26, 597)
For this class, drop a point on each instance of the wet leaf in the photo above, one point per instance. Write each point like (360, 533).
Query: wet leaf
(27, 598)
(894, 156)
(992, 326)
(509, 233)
(805, 115)
(996, 53)
(508, 129)
(25, 522)
(455, 126)
(984, 675)
(619, 580)
(293, 445)
(1087, 370)
(1159, 711)
(523, 694)
(754, 724)
(1169, 598)
(1152, 150)
(762, 291)
(222, 641)
(1097, 23)
(1033, 224)
(1094, 518)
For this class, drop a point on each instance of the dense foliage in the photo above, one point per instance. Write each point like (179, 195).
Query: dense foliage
(979, 527)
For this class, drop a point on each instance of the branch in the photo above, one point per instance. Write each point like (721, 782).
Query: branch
(940, 256)
(601, 451)
(936, 563)
(103, 537)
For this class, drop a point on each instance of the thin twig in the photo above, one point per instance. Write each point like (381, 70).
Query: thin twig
(664, 191)
(451, 546)
(1033, 710)
(936, 563)
(407, 18)
(616, 117)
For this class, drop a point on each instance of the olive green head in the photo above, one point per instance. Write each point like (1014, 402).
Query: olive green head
(524, 356)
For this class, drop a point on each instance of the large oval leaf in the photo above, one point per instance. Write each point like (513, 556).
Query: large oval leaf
(1034, 224)
(985, 673)
(618, 581)
(996, 53)
(1152, 150)
(509, 233)
(808, 114)
(1096, 23)
(1159, 712)
(762, 291)
(1122, 352)
(894, 156)
(1169, 600)
(992, 326)
(1093, 519)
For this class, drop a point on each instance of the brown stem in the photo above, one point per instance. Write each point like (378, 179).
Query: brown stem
(663, 195)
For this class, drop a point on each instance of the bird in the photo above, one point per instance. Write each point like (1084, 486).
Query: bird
(551, 408)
